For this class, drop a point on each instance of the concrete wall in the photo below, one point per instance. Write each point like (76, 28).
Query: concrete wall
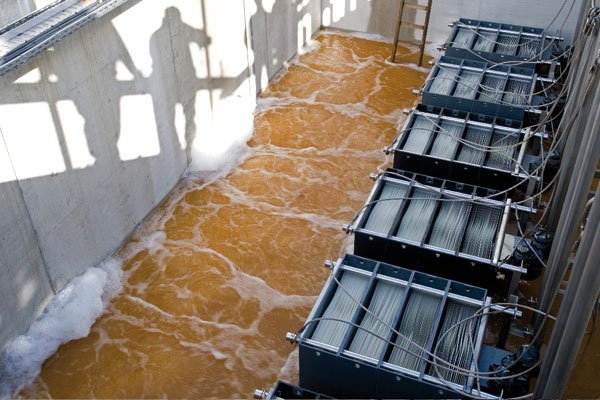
(378, 16)
(279, 29)
(95, 132)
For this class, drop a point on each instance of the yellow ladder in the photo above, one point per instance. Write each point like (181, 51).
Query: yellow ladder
(423, 28)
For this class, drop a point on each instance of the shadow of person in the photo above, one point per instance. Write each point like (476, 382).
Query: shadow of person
(172, 67)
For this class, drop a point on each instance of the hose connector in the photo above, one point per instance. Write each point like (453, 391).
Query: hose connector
(260, 394)
(291, 337)
(329, 264)
(374, 176)
(349, 229)
(416, 92)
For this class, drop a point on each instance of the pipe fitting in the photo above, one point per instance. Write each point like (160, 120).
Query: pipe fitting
(348, 229)
(416, 92)
(260, 394)
(291, 337)
(329, 264)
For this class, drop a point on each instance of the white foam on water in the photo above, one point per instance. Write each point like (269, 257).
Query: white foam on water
(361, 35)
(220, 145)
(69, 316)
(310, 46)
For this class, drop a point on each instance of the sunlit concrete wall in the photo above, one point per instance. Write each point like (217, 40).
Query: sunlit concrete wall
(279, 29)
(95, 132)
(379, 16)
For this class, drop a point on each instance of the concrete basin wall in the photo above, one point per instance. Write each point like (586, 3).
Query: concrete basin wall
(379, 17)
(96, 131)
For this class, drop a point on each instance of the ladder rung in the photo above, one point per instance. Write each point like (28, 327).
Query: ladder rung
(416, 6)
(411, 42)
(412, 26)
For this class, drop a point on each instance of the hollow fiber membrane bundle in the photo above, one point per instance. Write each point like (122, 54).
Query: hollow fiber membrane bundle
(491, 89)
(443, 81)
(456, 342)
(419, 134)
(463, 39)
(516, 92)
(529, 48)
(446, 142)
(471, 151)
(479, 236)
(485, 41)
(341, 307)
(384, 305)
(383, 213)
(414, 222)
(448, 225)
(467, 86)
(502, 157)
(507, 44)
(416, 326)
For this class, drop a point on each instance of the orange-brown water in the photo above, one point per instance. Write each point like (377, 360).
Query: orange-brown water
(214, 280)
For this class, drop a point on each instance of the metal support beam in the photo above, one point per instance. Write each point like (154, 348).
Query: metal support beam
(574, 315)
(571, 130)
(584, 167)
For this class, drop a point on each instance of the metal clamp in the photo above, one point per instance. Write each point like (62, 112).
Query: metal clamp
(349, 229)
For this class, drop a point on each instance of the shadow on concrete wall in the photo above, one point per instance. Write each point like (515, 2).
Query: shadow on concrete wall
(376, 17)
(90, 142)
(279, 29)
(88, 149)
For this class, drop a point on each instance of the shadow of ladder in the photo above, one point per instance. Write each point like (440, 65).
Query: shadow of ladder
(423, 28)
